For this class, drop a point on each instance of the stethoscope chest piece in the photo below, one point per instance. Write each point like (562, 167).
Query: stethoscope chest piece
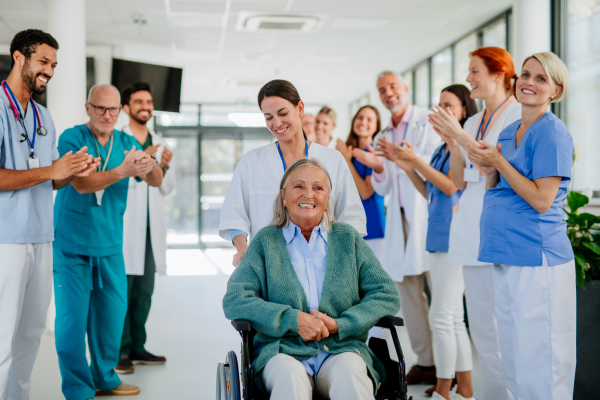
(42, 131)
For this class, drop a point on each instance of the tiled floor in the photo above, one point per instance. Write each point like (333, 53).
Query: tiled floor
(187, 325)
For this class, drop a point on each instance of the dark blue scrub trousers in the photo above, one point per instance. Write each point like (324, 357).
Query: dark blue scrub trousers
(91, 297)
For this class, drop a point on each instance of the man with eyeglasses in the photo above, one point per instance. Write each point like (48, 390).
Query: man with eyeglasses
(90, 283)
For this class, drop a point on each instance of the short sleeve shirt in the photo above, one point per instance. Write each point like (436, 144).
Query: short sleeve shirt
(513, 232)
(82, 226)
(26, 214)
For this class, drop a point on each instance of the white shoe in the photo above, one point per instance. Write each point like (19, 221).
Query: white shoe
(457, 396)
(437, 396)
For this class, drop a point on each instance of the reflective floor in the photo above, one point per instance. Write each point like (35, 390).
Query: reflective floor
(187, 325)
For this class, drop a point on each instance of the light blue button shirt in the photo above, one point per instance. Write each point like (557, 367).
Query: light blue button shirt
(309, 259)
(26, 215)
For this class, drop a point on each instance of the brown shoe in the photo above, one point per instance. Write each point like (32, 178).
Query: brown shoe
(123, 389)
(416, 375)
(125, 365)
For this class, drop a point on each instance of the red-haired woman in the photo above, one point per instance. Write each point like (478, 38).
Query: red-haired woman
(491, 72)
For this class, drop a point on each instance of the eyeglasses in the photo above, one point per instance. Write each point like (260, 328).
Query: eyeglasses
(114, 111)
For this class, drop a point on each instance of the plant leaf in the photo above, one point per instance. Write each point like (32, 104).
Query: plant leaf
(576, 200)
(593, 246)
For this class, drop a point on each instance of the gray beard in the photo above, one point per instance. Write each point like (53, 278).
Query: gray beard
(401, 103)
(100, 130)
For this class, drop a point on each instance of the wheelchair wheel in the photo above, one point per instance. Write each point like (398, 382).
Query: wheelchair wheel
(233, 377)
(221, 382)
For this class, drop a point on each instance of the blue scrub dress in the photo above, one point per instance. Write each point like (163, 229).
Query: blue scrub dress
(374, 207)
(90, 283)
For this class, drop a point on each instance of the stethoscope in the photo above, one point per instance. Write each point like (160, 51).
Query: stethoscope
(437, 156)
(13, 105)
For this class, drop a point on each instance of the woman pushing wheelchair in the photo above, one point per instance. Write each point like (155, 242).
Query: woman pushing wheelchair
(312, 289)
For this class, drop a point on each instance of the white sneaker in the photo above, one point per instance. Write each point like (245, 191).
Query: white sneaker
(457, 396)
(437, 396)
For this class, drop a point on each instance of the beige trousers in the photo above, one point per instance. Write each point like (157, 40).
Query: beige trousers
(342, 376)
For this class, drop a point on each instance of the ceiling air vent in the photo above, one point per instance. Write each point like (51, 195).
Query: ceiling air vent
(261, 22)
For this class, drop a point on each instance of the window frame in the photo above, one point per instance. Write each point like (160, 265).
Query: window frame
(506, 15)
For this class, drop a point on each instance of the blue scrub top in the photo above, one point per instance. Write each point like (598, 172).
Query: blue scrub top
(82, 226)
(512, 232)
(374, 207)
(440, 206)
(26, 214)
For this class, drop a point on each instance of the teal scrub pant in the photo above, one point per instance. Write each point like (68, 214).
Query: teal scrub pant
(91, 297)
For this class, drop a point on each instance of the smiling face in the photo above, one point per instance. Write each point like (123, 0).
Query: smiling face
(534, 86)
(38, 69)
(323, 127)
(365, 123)
(451, 101)
(140, 106)
(393, 93)
(282, 117)
(103, 97)
(483, 83)
(306, 196)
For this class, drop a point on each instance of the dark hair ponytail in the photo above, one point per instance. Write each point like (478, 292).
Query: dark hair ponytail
(464, 95)
(280, 88)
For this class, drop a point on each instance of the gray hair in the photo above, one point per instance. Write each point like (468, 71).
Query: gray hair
(281, 216)
(102, 85)
(390, 72)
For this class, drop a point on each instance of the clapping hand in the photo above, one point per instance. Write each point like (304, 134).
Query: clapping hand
(485, 156)
(136, 163)
(444, 122)
(93, 163)
(166, 157)
(369, 158)
(345, 150)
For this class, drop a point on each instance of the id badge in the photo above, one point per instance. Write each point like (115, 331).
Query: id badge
(99, 195)
(471, 175)
(33, 163)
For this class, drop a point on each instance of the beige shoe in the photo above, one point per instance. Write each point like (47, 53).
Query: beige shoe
(123, 389)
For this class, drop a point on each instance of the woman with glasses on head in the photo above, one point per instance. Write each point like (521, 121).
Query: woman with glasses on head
(491, 71)
(451, 345)
(255, 182)
(365, 124)
(523, 233)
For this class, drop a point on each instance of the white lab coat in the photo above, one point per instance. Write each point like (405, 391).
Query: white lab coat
(135, 218)
(398, 261)
(248, 205)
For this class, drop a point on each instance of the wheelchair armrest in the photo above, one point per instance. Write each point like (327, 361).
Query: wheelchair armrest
(241, 325)
(389, 322)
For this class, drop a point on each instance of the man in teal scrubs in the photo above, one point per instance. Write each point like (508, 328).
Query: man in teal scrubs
(90, 283)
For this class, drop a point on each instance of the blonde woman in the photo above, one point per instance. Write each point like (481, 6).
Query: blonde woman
(325, 124)
(523, 234)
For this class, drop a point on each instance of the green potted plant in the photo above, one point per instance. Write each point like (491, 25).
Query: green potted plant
(583, 230)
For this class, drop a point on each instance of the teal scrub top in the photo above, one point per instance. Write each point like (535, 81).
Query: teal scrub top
(82, 226)
(26, 214)
(512, 232)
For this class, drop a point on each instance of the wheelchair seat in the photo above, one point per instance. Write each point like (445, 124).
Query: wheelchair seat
(228, 378)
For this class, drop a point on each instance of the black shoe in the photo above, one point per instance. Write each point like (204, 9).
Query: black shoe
(125, 365)
(146, 358)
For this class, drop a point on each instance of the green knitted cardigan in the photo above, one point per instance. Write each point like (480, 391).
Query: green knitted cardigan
(265, 290)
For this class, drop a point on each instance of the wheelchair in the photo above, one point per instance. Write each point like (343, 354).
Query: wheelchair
(228, 374)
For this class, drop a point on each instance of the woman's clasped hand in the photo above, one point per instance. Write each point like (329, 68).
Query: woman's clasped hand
(315, 326)
(485, 156)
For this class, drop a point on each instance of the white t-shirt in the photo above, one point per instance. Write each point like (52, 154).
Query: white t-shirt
(464, 229)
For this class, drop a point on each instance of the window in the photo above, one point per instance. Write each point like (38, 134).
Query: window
(408, 80)
(461, 60)
(582, 55)
(495, 35)
(422, 85)
(441, 73)
(451, 65)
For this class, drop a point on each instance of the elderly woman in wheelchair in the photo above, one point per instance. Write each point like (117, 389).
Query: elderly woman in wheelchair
(312, 289)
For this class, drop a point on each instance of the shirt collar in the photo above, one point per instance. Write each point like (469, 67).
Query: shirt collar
(405, 118)
(291, 230)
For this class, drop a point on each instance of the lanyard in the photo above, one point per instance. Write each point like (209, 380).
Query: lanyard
(281, 155)
(16, 110)
(109, 151)
(486, 125)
